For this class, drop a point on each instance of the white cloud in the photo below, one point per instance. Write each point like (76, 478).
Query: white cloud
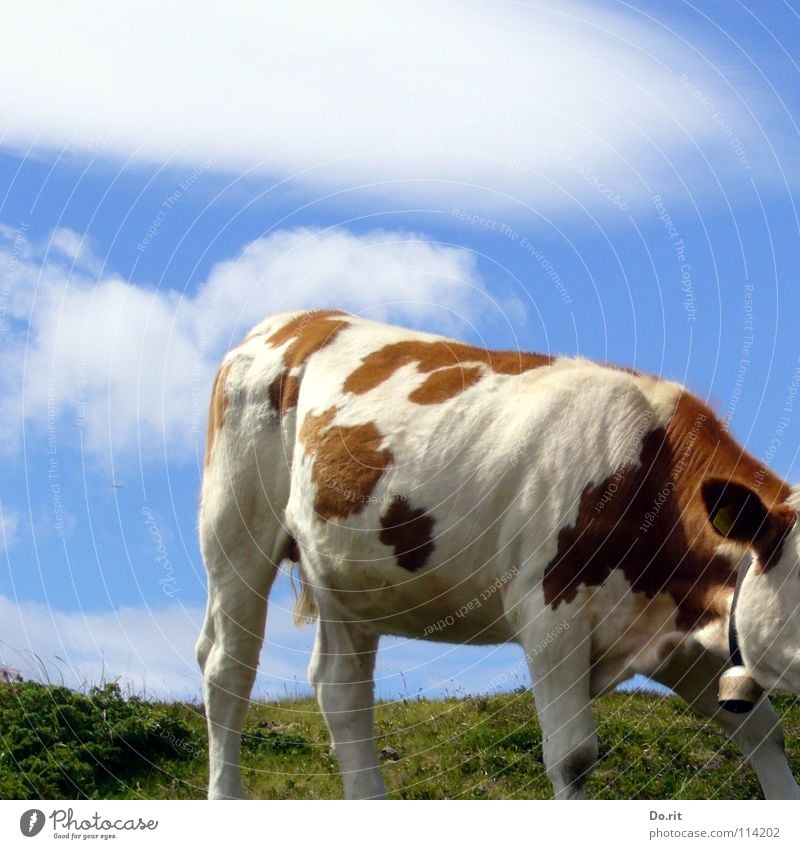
(416, 98)
(130, 367)
(151, 651)
(147, 651)
(74, 248)
(9, 522)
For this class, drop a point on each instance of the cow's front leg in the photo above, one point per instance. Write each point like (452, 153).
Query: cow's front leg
(341, 671)
(559, 660)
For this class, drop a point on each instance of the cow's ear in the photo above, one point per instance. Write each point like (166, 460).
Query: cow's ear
(737, 512)
(734, 510)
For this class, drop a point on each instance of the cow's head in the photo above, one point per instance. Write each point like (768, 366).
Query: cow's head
(767, 613)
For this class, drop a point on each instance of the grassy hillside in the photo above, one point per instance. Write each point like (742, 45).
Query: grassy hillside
(58, 743)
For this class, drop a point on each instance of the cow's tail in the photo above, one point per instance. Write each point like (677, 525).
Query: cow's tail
(305, 605)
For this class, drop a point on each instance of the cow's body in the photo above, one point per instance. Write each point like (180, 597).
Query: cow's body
(434, 490)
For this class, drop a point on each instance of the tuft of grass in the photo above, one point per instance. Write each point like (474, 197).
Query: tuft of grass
(55, 742)
(61, 744)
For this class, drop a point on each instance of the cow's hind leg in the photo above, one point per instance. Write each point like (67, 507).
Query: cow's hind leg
(241, 569)
(559, 662)
(341, 671)
(693, 674)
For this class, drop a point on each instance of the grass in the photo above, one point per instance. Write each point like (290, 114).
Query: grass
(58, 743)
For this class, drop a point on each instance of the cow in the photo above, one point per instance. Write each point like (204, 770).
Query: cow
(602, 518)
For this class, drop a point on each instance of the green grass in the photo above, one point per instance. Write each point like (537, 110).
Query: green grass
(58, 743)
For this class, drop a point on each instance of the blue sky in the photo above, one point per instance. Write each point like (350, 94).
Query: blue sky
(612, 179)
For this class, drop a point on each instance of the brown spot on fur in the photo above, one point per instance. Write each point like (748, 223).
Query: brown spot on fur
(307, 333)
(650, 521)
(714, 453)
(378, 366)
(217, 408)
(771, 542)
(298, 325)
(409, 532)
(283, 393)
(445, 383)
(348, 463)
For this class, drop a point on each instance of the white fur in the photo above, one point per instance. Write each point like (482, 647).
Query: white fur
(768, 619)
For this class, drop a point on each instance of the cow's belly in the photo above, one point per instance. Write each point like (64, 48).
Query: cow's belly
(448, 601)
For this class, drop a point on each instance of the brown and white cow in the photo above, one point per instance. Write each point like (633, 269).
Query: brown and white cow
(596, 516)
